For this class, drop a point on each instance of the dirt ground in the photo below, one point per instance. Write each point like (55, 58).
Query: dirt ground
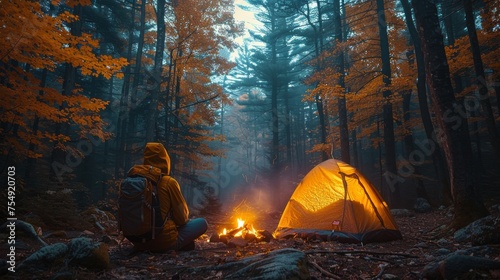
(403, 259)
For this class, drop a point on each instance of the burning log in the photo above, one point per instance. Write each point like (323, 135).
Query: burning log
(244, 232)
(237, 241)
(236, 232)
(250, 237)
(266, 236)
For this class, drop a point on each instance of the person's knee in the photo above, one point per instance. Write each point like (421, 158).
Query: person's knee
(203, 224)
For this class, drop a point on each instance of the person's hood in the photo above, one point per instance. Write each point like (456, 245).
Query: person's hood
(156, 155)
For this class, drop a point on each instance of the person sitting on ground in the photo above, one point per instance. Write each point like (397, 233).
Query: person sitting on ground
(179, 232)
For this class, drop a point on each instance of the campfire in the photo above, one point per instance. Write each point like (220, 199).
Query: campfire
(241, 235)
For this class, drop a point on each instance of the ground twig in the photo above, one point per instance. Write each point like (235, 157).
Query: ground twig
(382, 269)
(359, 252)
(323, 271)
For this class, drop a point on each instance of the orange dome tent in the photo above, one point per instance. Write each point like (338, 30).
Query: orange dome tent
(336, 202)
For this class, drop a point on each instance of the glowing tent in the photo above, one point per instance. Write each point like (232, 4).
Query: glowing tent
(336, 202)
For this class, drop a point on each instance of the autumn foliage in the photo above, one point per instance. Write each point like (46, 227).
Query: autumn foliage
(364, 84)
(35, 44)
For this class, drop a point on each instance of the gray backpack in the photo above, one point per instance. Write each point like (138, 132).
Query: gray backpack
(139, 212)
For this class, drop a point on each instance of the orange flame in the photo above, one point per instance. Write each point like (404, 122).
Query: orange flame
(241, 230)
(241, 223)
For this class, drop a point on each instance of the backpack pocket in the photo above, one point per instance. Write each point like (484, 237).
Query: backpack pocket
(135, 206)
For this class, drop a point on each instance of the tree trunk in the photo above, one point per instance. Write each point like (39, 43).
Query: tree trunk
(434, 150)
(410, 147)
(137, 77)
(30, 167)
(275, 158)
(168, 92)
(355, 153)
(318, 48)
(177, 105)
(287, 126)
(156, 79)
(124, 110)
(450, 128)
(58, 157)
(343, 127)
(389, 141)
(447, 18)
(481, 79)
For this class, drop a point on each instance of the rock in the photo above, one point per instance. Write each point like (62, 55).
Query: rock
(422, 205)
(57, 234)
(442, 252)
(429, 258)
(480, 232)
(495, 209)
(102, 220)
(237, 242)
(86, 253)
(278, 264)
(457, 266)
(430, 271)
(389, 276)
(46, 257)
(25, 228)
(108, 240)
(476, 251)
(87, 232)
(79, 252)
(214, 238)
(421, 245)
(402, 213)
(443, 242)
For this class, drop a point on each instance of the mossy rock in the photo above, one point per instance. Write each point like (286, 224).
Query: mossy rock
(86, 253)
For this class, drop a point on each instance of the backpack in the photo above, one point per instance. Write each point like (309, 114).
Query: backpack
(139, 213)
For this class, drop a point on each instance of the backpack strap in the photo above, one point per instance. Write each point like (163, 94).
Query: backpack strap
(152, 173)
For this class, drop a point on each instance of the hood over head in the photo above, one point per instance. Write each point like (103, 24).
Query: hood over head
(156, 155)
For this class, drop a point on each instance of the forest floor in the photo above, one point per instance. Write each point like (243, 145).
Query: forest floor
(327, 260)
(401, 259)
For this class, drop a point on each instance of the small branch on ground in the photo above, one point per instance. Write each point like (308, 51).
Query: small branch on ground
(382, 269)
(379, 259)
(359, 252)
(323, 271)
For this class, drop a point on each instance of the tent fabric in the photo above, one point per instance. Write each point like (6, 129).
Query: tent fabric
(336, 202)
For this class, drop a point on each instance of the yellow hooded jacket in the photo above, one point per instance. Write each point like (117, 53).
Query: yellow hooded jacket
(171, 199)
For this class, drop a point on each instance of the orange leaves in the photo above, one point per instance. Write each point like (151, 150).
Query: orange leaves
(104, 65)
(323, 148)
(197, 34)
(44, 41)
(74, 3)
(363, 76)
